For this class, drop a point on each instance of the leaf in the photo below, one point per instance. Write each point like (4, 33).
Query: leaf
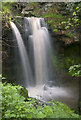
(74, 13)
(3, 78)
(1, 75)
(55, 30)
(67, 27)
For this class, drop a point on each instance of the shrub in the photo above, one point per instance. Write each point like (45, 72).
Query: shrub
(16, 106)
(75, 70)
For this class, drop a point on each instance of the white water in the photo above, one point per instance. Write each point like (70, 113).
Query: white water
(66, 94)
(40, 42)
(23, 54)
(41, 49)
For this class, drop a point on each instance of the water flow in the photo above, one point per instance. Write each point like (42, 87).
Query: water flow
(23, 55)
(41, 47)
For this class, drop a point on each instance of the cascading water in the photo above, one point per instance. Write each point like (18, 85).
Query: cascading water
(23, 54)
(41, 47)
(39, 38)
(35, 52)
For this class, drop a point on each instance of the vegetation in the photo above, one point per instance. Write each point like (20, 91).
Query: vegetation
(74, 21)
(14, 105)
(75, 70)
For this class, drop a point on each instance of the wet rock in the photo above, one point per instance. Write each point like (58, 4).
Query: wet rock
(48, 84)
(45, 87)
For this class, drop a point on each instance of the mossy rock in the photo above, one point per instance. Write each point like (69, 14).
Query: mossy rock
(23, 92)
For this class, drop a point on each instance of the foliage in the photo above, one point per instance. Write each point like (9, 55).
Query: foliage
(70, 6)
(6, 11)
(53, 19)
(15, 106)
(2, 77)
(75, 70)
(74, 20)
(10, 10)
(63, 62)
(69, 34)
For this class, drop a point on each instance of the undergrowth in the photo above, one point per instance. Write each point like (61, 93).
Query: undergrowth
(15, 105)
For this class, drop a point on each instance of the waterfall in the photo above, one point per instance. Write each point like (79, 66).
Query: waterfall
(35, 59)
(35, 51)
(23, 55)
(40, 40)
